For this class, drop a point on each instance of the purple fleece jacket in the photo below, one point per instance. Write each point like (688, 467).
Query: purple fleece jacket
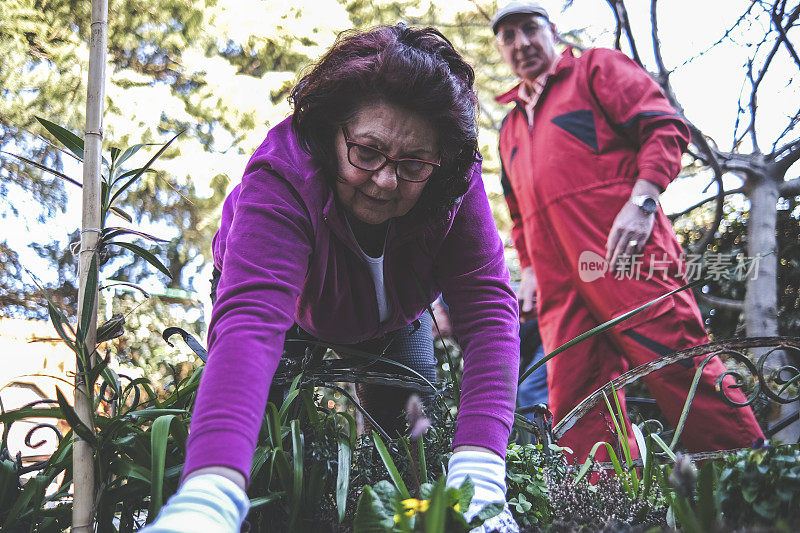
(286, 256)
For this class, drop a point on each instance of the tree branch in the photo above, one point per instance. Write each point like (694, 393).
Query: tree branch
(787, 156)
(789, 188)
(673, 216)
(623, 22)
(725, 303)
(776, 19)
(789, 127)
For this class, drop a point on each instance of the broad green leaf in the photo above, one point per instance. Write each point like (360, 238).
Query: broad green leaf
(373, 513)
(394, 475)
(467, 491)
(71, 142)
(159, 438)
(144, 254)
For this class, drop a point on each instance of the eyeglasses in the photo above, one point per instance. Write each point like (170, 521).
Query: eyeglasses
(366, 157)
(530, 29)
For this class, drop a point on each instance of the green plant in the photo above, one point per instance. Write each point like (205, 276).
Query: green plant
(439, 509)
(528, 469)
(762, 487)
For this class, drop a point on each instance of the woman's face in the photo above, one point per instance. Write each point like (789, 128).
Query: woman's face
(373, 197)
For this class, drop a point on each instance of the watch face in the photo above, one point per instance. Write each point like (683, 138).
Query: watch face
(649, 205)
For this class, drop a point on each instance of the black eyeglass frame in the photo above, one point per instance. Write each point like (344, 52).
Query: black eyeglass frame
(386, 159)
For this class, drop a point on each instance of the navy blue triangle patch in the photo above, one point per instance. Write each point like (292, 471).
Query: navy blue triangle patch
(579, 124)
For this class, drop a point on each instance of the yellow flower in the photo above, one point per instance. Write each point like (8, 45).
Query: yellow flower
(457, 507)
(413, 505)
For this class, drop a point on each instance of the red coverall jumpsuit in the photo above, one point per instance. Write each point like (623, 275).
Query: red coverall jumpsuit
(601, 123)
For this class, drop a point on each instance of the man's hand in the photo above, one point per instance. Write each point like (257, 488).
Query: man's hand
(632, 227)
(526, 294)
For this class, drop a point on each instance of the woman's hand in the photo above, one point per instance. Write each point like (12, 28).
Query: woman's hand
(488, 474)
(207, 502)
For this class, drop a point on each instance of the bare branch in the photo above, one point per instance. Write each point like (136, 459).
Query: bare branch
(777, 19)
(753, 104)
(789, 188)
(725, 303)
(724, 36)
(624, 23)
(618, 29)
(673, 216)
(789, 127)
(663, 73)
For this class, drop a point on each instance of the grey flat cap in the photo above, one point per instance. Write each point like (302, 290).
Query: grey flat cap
(517, 7)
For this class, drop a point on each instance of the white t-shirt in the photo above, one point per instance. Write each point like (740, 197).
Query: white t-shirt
(375, 266)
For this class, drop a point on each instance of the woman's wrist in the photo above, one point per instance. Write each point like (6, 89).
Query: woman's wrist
(228, 473)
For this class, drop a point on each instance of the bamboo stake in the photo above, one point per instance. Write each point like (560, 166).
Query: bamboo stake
(82, 456)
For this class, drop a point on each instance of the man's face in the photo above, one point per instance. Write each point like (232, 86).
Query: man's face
(527, 44)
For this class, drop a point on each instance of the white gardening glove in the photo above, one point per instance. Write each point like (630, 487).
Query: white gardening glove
(488, 474)
(207, 502)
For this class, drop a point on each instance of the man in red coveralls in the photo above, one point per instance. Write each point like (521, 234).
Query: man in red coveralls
(588, 147)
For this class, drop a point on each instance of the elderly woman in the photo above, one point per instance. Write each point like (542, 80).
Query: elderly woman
(352, 217)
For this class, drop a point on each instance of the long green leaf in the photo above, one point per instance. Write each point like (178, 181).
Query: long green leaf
(120, 213)
(394, 474)
(622, 432)
(255, 503)
(59, 320)
(614, 460)
(423, 464)
(142, 170)
(88, 307)
(297, 471)
(110, 233)
(44, 168)
(689, 399)
(77, 425)
(664, 446)
(603, 327)
(72, 142)
(128, 153)
(131, 172)
(707, 501)
(437, 510)
(290, 396)
(159, 437)
(274, 426)
(144, 254)
(343, 477)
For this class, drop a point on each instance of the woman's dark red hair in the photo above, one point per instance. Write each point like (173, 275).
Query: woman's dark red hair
(414, 68)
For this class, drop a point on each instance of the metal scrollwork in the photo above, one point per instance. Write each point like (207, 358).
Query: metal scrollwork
(785, 376)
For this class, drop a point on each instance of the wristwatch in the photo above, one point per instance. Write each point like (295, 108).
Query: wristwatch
(646, 203)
